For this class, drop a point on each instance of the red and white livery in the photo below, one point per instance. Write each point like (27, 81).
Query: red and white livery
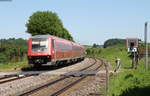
(43, 49)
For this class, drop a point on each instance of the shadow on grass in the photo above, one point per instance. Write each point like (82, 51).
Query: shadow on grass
(47, 67)
(137, 91)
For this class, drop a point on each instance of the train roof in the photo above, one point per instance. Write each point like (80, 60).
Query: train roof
(46, 36)
(40, 36)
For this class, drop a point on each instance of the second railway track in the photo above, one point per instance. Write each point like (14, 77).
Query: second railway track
(13, 77)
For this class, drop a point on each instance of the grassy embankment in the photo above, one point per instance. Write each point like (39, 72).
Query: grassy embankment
(128, 82)
(110, 53)
(13, 66)
(13, 54)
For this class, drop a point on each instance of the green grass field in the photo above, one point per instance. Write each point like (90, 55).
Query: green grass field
(128, 82)
(131, 82)
(110, 53)
(13, 66)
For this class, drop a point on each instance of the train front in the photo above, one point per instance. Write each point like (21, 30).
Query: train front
(39, 50)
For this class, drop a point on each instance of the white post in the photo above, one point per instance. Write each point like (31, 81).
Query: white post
(146, 47)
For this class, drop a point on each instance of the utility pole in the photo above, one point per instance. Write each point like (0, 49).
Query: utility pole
(146, 47)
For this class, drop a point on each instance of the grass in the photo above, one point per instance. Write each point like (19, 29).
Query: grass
(131, 83)
(110, 53)
(13, 66)
(128, 82)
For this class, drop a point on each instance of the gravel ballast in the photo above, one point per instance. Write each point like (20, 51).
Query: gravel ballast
(15, 87)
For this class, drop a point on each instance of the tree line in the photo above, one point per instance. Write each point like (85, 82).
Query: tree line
(12, 49)
(94, 49)
(112, 42)
(97, 49)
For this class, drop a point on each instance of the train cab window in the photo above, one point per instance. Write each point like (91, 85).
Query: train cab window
(132, 44)
(39, 45)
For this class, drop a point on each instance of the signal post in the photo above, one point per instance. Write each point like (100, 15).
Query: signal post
(132, 45)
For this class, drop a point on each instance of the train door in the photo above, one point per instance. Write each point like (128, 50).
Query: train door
(54, 49)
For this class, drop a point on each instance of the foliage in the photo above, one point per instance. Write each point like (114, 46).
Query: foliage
(128, 82)
(110, 53)
(11, 66)
(3, 58)
(12, 49)
(46, 22)
(131, 83)
(93, 50)
(95, 45)
(112, 42)
(141, 50)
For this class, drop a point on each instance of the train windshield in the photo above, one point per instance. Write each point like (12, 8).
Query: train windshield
(39, 45)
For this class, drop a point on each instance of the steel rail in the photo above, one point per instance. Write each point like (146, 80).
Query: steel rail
(53, 82)
(8, 76)
(14, 77)
(71, 84)
(9, 80)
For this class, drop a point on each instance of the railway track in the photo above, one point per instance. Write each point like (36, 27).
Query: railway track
(13, 77)
(73, 80)
(71, 84)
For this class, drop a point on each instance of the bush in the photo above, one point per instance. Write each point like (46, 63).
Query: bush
(112, 42)
(12, 49)
(3, 58)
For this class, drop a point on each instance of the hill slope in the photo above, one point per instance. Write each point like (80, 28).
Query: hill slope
(128, 82)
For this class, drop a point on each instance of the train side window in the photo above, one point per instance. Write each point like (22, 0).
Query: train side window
(53, 44)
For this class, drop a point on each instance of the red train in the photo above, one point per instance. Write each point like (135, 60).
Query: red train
(47, 49)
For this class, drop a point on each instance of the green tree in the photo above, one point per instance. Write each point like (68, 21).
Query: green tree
(67, 35)
(112, 42)
(13, 49)
(94, 45)
(47, 22)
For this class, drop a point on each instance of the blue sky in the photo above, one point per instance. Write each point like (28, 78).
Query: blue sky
(89, 21)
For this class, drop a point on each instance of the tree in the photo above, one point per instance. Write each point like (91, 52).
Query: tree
(112, 42)
(12, 49)
(67, 35)
(95, 45)
(47, 22)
